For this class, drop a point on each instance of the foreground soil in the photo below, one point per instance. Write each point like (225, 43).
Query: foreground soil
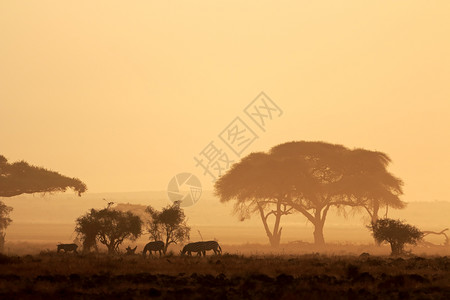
(69, 276)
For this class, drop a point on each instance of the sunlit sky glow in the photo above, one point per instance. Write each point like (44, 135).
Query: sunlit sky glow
(124, 94)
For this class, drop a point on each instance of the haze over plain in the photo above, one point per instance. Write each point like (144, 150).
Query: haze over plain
(124, 95)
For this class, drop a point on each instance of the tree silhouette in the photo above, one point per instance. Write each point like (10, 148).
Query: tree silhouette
(111, 227)
(4, 216)
(257, 185)
(442, 232)
(168, 225)
(396, 233)
(87, 228)
(22, 178)
(4, 222)
(139, 210)
(309, 177)
(371, 184)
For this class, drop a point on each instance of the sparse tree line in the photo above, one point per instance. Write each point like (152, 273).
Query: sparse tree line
(107, 226)
(308, 178)
(111, 227)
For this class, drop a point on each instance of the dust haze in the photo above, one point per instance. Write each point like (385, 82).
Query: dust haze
(237, 149)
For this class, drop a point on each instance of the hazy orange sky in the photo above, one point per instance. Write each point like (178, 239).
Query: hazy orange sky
(124, 94)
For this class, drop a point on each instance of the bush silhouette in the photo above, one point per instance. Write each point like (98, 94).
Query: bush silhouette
(396, 233)
(109, 227)
(168, 225)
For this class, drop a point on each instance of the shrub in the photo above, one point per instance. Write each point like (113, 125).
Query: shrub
(396, 233)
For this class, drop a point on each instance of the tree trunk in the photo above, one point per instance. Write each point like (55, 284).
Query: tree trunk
(319, 221)
(166, 245)
(396, 248)
(275, 239)
(376, 208)
(318, 234)
(276, 232)
(111, 248)
(89, 243)
(274, 235)
(2, 241)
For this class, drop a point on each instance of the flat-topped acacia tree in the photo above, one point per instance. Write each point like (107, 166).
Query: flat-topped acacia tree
(309, 178)
(258, 186)
(22, 178)
(370, 184)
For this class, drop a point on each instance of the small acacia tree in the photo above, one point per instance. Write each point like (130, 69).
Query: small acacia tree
(4, 222)
(87, 228)
(168, 225)
(396, 233)
(110, 227)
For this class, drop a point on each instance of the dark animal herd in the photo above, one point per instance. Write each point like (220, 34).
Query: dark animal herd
(158, 246)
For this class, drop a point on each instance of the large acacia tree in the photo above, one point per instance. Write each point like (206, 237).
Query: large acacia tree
(258, 186)
(371, 186)
(308, 177)
(22, 178)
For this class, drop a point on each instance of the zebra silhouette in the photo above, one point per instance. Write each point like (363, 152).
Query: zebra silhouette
(154, 246)
(201, 248)
(192, 247)
(67, 247)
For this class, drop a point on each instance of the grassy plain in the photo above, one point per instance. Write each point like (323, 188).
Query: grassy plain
(242, 272)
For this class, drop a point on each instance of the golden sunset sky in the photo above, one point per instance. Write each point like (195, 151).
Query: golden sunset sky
(124, 94)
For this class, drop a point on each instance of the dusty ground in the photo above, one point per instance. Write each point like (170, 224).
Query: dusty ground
(230, 276)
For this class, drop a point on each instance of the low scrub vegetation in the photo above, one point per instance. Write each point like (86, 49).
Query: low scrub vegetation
(94, 276)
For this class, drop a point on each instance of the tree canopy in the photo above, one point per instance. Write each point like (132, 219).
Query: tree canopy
(370, 184)
(169, 224)
(258, 184)
(110, 227)
(396, 233)
(310, 178)
(22, 178)
(4, 216)
(4, 222)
